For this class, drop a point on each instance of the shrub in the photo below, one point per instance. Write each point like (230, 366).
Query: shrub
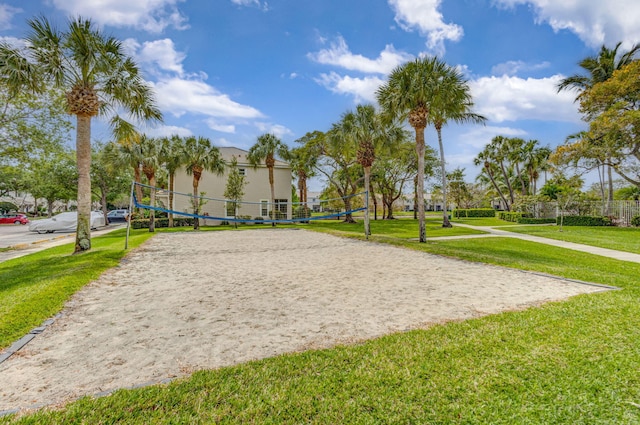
(635, 221)
(584, 220)
(511, 216)
(529, 220)
(143, 223)
(7, 206)
(474, 212)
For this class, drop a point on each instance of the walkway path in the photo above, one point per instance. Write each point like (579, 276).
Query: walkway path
(492, 231)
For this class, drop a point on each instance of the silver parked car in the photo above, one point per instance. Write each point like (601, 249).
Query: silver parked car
(65, 222)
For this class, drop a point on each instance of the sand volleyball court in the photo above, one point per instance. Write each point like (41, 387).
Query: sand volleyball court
(189, 301)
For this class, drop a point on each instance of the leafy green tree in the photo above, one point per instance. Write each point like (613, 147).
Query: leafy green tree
(234, 190)
(599, 69)
(409, 93)
(459, 188)
(98, 78)
(199, 155)
(108, 182)
(265, 149)
(53, 178)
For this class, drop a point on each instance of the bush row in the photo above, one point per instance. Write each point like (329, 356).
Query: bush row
(635, 221)
(143, 223)
(474, 212)
(529, 220)
(511, 216)
(584, 220)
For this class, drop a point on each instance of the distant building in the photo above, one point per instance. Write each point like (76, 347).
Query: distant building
(256, 201)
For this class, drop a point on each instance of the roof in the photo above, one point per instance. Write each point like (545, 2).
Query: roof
(242, 156)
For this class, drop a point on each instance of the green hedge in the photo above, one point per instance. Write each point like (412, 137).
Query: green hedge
(474, 212)
(584, 220)
(143, 223)
(529, 220)
(635, 221)
(511, 216)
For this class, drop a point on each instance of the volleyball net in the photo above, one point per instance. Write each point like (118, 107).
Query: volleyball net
(215, 211)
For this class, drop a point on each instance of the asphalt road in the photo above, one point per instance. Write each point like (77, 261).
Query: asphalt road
(24, 242)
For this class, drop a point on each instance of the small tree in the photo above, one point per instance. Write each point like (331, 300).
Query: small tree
(234, 191)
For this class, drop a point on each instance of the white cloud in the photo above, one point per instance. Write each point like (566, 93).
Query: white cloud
(214, 124)
(159, 53)
(515, 67)
(262, 5)
(6, 15)
(363, 89)
(167, 131)
(511, 98)
(276, 129)
(179, 96)
(339, 55)
(148, 15)
(424, 15)
(596, 22)
(478, 136)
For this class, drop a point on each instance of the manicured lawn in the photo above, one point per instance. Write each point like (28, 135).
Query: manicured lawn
(483, 221)
(404, 228)
(620, 238)
(570, 362)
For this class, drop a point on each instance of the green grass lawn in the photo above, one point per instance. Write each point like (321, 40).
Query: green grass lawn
(482, 221)
(620, 238)
(405, 228)
(570, 362)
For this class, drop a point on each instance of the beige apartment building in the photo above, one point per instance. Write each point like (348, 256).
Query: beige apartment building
(256, 201)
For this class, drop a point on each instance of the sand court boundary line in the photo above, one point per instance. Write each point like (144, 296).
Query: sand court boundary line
(190, 301)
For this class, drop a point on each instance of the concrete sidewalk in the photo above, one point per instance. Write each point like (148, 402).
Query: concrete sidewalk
(493, 232)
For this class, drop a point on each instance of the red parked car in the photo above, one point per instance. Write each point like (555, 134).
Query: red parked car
(13, 218)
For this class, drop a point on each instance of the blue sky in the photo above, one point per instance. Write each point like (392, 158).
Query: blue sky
(231, 70)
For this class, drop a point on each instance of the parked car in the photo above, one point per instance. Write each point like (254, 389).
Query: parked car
(117, 215)
(13, 218)
(65, 222)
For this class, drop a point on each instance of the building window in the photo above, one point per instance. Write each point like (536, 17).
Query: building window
(281, 208)
(264, 208)
(242, 171)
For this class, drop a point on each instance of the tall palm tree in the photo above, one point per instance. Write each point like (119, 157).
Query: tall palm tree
(365, 129)
(171, 147)
(198, 155)
(486, 160)
(408, 94)
(151, 162)
(599, 69)
(452, 103)
(98, 79)
(126, 153)
(265, 149)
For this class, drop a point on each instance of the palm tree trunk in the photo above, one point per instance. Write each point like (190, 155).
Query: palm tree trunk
(375, 204)
(506, 179)
(83, 158)
(445, 213)
(367, 177)
(137, 176)
(171, 185)
(495, 185)
(196, 202)
(273, 196)
(415, 198)
(610, 197)
(523, 186)
(420, 182)
(152, 201)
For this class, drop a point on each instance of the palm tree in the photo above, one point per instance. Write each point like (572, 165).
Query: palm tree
(452, 103)
(365, 129)
(126, 153)
(599, 69)
(486, 160)
(151, 162)
(98, 79)
(265, 149)
(172, 160)
(198, 155)
(408, 94)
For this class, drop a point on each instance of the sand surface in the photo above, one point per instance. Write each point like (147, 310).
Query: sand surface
(189, 301)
